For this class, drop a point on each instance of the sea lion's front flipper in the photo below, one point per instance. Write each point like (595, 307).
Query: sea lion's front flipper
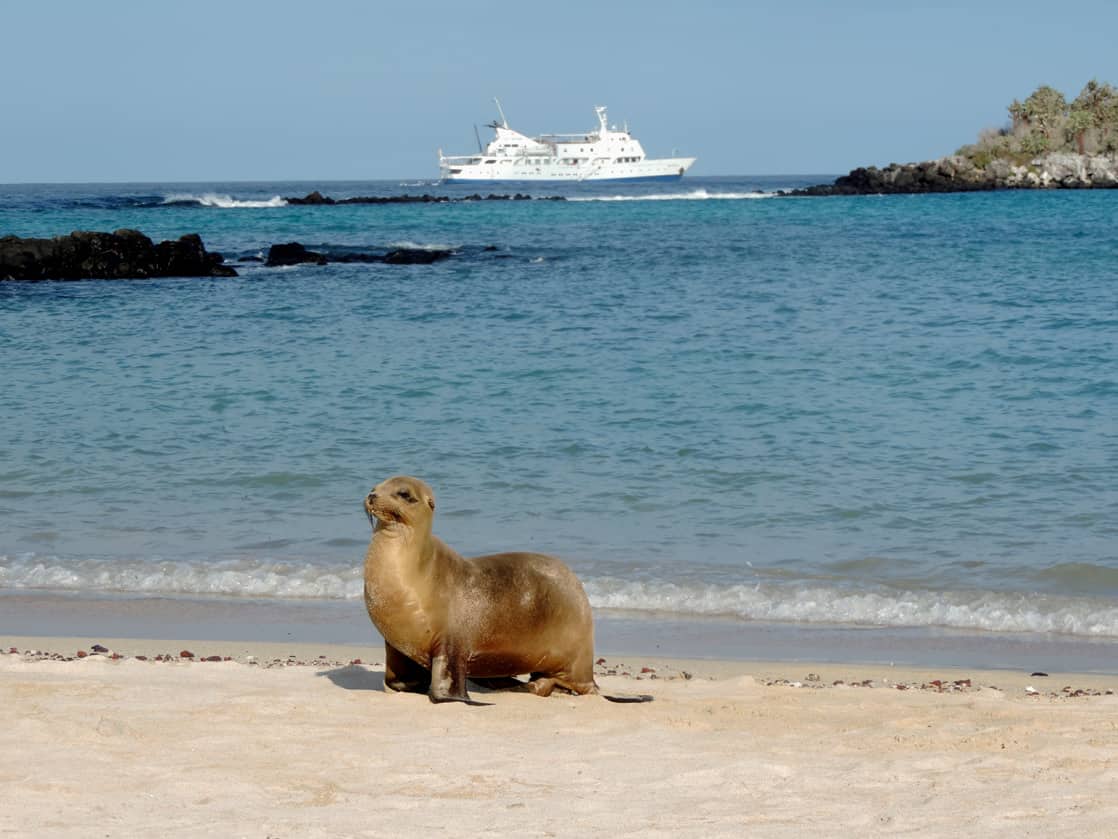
(627, 697)
(448, 678)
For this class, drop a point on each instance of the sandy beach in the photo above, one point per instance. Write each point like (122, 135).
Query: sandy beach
(131, 738)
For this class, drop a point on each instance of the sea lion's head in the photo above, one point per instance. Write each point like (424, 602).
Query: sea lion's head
(400, 500)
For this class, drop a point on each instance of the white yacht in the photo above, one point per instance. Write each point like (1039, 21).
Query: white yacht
(605, 154)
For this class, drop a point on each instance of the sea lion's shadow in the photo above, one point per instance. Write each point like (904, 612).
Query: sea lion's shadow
(355, 677)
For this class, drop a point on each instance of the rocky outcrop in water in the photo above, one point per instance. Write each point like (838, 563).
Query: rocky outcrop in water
(1056, 170)
(294, 253)
(316, 198)
(125, 254)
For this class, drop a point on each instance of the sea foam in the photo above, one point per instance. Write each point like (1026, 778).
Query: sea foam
(693, 195)
(792, 602)
(250, 577)
(225, 202)
(407, 244)
(973, 610)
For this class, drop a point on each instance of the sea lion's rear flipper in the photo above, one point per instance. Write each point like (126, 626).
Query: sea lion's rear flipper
(403, 674)
(627, 697)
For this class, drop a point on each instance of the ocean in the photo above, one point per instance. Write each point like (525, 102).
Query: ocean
(782, 423)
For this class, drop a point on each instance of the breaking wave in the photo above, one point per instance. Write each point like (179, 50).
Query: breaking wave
(974, 610)
(417, 246)
(693, 195)
(230, 578)
(800, 603)
(225, 202)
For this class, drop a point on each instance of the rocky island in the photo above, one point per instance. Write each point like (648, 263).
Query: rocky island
(124, 254)
(317, 199)
(129, 254)
(1047, 143)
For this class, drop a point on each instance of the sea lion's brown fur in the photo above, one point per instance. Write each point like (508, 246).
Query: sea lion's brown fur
(445, 618)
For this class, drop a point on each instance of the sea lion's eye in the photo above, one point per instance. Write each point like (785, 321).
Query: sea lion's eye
(407, 496)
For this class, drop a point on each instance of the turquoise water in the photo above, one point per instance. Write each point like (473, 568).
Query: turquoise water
(873, 411)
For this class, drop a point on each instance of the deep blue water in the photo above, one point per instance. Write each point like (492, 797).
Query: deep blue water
(883, 411)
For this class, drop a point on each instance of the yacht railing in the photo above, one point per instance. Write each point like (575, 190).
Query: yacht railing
(567, 138)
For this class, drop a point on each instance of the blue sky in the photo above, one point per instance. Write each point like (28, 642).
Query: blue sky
(247, 90)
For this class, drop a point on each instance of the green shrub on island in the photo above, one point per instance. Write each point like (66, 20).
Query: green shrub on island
(1046, 122)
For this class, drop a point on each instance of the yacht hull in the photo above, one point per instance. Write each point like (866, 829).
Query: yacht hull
(455, 179)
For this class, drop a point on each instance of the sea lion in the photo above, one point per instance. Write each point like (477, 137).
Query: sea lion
(445, 618)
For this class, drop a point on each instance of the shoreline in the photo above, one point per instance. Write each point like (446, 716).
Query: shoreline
(26, 613)
(956, 173)
(813, 675)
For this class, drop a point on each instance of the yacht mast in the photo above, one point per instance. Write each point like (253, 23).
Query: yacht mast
(504, 121)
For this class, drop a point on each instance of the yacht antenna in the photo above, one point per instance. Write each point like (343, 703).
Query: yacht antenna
(504, 121)
(600, 110)
(478, 136)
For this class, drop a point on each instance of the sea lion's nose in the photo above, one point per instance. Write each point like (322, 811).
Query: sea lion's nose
(371, 497)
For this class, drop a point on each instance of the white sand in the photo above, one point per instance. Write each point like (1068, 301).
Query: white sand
(96, 747)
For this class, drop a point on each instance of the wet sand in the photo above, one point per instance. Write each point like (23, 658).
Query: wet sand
(94, 617)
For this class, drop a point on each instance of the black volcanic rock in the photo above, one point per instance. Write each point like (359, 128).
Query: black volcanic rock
(316, 198)
(1055, 170)
(292, 253)
(415, 256)
(125, 254)
(187, 257)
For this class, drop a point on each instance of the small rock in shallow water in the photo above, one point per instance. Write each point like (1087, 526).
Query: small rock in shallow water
(186, 654)
(97, 648)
